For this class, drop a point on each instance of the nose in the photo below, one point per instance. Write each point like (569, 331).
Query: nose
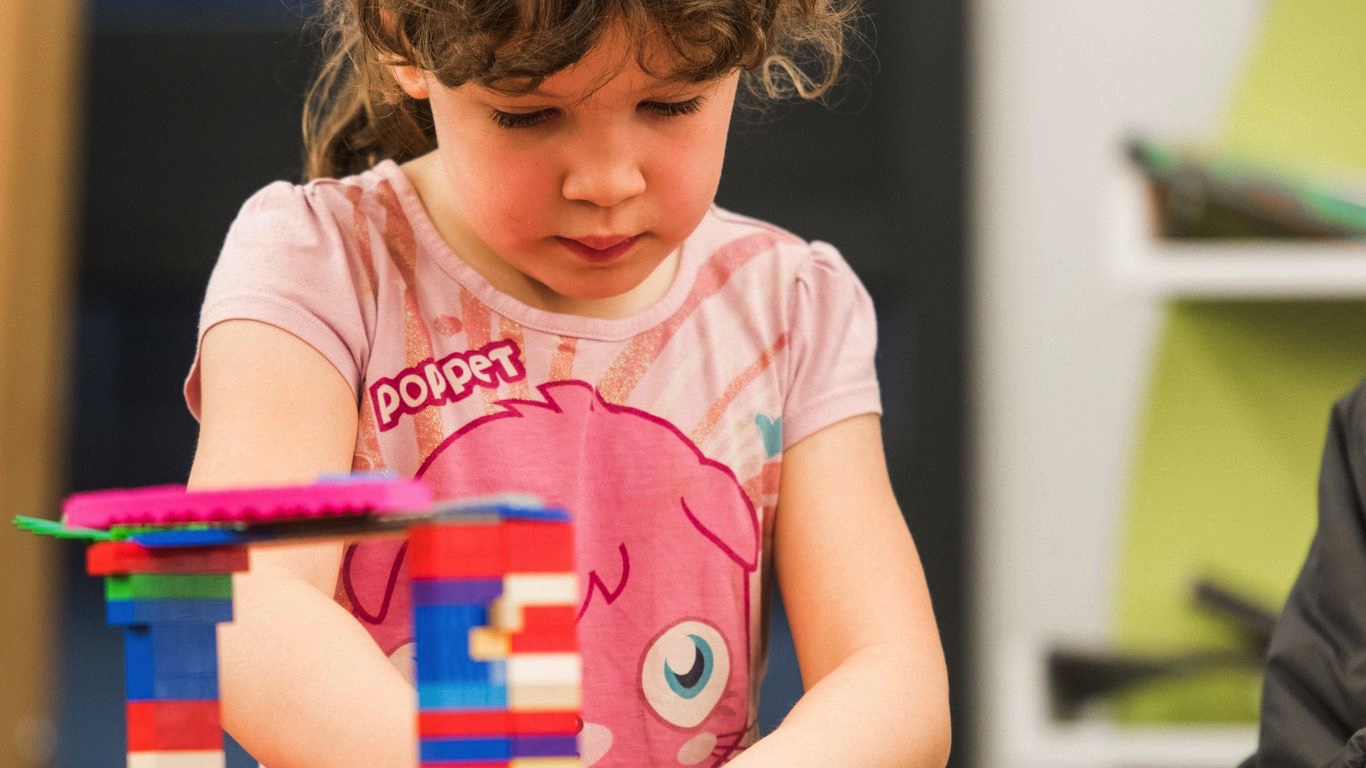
(604, 170)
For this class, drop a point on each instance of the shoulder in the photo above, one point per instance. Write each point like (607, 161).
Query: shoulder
(326, 208)
(786, 262)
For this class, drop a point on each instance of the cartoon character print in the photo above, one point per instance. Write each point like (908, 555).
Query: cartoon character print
(666, 541)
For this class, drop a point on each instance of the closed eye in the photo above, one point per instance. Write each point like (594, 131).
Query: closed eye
(673, 108)
(519, 119)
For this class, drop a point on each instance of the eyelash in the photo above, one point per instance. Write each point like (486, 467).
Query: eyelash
(667, 109)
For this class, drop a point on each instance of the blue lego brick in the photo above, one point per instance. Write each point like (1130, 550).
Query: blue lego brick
(436, 592)
(122, 613)
(561, 745)
(193, 537)
(443, 631)
(461, 696)
(496, 749)
(442, 640)
(171, 661)
(474, 749)
(502, 507)
(541, 514)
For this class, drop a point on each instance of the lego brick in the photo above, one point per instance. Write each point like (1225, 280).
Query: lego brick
(543, 642)
(489, 749)
(456, 591)
(539, 547)
(500, 506)
(108, 558)
(547, 628)
(122, 613)
(517, 762)
(171, 661)
(177, 759)
(463, 696)
(493, 748)
(193, 537)
(541, 588)
(556, 745)
(544, 669)
(488, 644)
(454, 670)
(455, 551)
(544, 697)
(170, 504)
(204, 586)
(441, 634)
(433, 723)
(533, 619)
(161, 725)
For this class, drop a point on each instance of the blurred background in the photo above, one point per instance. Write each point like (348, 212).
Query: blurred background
(1106, 382)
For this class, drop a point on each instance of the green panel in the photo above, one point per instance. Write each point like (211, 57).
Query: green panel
(1225, 479)
(1302, 98)
(204, 586)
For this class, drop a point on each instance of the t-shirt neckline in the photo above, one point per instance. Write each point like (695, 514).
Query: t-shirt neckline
(429, 239)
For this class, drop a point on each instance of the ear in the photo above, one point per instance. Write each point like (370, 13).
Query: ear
(412, 80)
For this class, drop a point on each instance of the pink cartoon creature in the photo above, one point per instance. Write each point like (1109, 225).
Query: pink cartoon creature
(667, 541)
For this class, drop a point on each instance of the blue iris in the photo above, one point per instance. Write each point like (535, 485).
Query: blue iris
(694, 681)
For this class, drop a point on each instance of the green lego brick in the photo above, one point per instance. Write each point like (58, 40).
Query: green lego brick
(168, 586)
(56, 529)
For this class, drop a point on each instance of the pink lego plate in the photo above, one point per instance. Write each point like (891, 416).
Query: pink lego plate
(173, 504)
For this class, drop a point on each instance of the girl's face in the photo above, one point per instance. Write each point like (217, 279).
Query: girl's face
(576, 196)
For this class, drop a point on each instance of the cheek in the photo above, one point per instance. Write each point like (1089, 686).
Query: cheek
(686, 182)
(695, 163)
(496, 191)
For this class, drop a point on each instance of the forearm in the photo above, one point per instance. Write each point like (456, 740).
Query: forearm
(331, 701)
(884, 706)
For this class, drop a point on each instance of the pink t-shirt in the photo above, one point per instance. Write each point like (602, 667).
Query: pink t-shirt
(662, 433)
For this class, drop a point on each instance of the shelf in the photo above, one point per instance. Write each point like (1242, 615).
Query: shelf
(1247, 269)
(1036, 740)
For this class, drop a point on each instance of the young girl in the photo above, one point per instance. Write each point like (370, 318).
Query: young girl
(508, 274)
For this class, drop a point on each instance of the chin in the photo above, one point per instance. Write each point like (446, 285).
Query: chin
(603, 283)
(597, 292)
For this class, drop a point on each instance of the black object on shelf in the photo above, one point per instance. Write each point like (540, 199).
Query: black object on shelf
(1204, 193)
(1080, 676)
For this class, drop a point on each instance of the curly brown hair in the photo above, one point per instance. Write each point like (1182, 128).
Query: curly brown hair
(356, 115)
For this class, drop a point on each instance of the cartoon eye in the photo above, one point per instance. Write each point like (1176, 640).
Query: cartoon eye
(685, 672)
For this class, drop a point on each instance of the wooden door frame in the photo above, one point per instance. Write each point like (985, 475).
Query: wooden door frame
(40, 53)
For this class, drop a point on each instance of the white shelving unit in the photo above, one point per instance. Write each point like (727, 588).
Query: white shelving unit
(1039, 741)
(1165, 268)
(1067, 286)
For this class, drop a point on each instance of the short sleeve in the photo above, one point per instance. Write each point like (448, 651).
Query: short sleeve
(287, 262)
(833, 341)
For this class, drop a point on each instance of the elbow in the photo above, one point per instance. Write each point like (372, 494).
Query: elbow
(941, 745)
(936, 739)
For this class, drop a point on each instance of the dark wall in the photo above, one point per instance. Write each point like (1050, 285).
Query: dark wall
(193, 106)
(881, 175)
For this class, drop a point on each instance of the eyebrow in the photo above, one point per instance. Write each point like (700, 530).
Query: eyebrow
(678, 83)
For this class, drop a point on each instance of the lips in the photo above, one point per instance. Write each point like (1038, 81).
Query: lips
(599, 248)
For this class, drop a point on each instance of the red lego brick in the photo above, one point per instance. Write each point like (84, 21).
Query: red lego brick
(456, 551)
(453, 550)
(490, 723)
(546, 628)
(108, 558)
(534, 547)
(156, 726)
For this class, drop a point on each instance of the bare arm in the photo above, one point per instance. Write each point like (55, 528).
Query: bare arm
(302, 682)
(855, 594)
